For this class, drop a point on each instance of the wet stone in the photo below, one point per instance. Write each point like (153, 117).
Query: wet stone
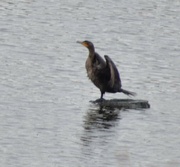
(123, 103)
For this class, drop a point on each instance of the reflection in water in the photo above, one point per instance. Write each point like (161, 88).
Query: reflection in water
(100, 135)
(98, 121)
(102, 118)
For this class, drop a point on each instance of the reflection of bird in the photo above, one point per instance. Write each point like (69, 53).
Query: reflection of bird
(101, 118)
(103, 74)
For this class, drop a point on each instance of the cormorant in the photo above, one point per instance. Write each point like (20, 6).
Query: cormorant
(103, 74)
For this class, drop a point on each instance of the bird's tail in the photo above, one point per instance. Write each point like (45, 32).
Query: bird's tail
(127, 92)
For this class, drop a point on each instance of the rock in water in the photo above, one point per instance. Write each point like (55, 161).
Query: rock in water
(123, 103)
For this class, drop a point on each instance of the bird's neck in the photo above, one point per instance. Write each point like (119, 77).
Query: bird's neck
(91, 53)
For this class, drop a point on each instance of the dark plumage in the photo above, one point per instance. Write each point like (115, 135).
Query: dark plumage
(103, 74)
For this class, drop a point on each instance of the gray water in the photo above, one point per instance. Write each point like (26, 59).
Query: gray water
(46, 118)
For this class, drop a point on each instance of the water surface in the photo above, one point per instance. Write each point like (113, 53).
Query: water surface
(45, 115)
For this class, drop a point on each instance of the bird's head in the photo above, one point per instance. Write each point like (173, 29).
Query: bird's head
(87, 44)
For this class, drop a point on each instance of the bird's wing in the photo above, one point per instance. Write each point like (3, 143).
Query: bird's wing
(100, 63)
(115, 78)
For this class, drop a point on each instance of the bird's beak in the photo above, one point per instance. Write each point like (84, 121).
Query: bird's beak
(79, 42)
(83, 43)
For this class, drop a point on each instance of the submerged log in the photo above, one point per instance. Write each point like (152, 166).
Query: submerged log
(122, 103)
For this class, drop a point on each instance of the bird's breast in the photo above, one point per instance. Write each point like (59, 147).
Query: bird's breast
(90, 72)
